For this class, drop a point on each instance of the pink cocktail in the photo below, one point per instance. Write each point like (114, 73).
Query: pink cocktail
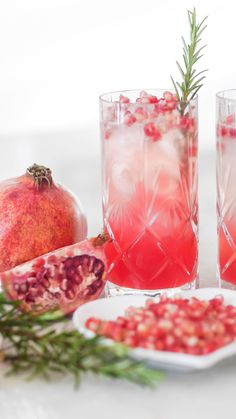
(150, 205)
(226, 186)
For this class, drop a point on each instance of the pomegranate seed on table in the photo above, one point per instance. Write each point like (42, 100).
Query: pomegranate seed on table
(191, 326)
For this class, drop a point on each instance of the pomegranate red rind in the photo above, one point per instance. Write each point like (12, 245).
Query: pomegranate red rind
(36, 217)
(189, 326)
(65, 278)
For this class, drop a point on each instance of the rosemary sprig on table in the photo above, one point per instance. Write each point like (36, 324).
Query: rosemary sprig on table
(44, 346)
(191, 79)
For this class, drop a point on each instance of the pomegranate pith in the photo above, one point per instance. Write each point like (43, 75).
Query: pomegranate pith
(36, 217)
(65, 278)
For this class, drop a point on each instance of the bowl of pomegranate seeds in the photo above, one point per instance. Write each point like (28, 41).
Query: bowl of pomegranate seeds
(187, 331)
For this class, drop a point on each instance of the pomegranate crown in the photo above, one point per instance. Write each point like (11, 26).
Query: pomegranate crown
(40, 174)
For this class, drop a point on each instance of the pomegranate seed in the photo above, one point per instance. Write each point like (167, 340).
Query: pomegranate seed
(230, 119)
(143, 329)
(184, 122)
(107, 134)
(159, 345)
(143, 93)
(140, 114)
(153, 99)
(193, 151)
(93, 324)
(106, 328)
(146, 98)
(131, 325)
(129, 118)
(168, 96)
(110, 114)
(138, 318)
(124, 99)
(179, 325)
(178, 332)
(152, 131)
(118, 333)
(147, 345)
(39, 262)
(169, 341)
(191, 341)
(232, 133)
(223, 131)
(122, 321)
(165, 325)
(131, 341)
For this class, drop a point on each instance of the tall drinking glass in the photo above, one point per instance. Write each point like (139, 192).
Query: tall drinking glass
(226, 186)
(150, 203)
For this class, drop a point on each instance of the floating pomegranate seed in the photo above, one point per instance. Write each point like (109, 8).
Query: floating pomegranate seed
(129, 118)
(222, 131)
(230, 119)
(153, 99)
(124, 99)
(193, 150)
(192, 326)
(143, 94)
(168, 96)
(151, 130)
(145, 97)
(184, 122)
(140, 114)
(107, 134)
(232, 132)
(110, 114)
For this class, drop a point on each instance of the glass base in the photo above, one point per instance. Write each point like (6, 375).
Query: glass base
(113, 290)
(226, 285)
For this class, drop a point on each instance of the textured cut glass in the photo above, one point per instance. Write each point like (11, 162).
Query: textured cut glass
(150, 202)
(226, 190)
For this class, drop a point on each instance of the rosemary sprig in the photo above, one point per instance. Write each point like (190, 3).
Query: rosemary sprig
(192, 52)
(44, 346)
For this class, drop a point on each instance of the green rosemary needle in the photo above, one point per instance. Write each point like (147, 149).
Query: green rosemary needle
(191, 80)
(44, 346)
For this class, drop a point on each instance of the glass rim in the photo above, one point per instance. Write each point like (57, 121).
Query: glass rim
(226, 95)
(104, 96)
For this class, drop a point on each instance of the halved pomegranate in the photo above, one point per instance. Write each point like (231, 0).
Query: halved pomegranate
(64, 278)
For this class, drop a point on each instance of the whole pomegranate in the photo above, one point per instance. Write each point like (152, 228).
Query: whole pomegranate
(64, 278)
(36, 216)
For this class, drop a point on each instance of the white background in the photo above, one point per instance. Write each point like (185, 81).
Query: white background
(57, 56)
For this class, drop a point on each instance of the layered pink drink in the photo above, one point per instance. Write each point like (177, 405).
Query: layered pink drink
(226, 189)
(150, 189)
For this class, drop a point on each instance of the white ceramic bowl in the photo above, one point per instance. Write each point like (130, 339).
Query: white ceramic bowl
(110, 308)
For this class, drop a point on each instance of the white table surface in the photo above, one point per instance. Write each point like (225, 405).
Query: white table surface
(209, 394)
